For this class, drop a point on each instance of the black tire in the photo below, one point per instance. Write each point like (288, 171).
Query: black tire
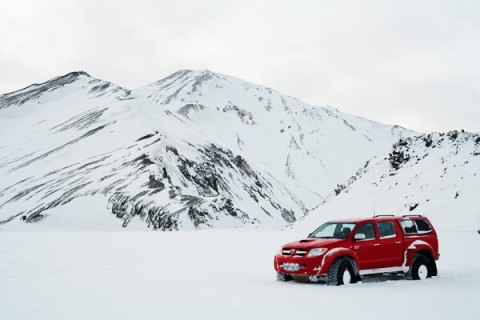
(284, 277)
(336, 274)
(421, 268)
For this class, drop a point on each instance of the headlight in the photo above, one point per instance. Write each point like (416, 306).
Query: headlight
(279, 253)
(316, 252)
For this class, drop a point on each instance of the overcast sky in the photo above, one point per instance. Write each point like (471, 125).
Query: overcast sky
(412, 63)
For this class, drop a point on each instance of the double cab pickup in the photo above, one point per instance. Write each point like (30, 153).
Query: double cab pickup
(342, 251)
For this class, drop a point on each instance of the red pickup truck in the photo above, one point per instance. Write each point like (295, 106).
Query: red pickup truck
(342, 251)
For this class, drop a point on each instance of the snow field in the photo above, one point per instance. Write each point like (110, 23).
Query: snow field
(211, 274)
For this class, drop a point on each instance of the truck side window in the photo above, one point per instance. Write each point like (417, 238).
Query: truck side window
(423, 226)
(409, 226)
(386, 229)
(368, 230)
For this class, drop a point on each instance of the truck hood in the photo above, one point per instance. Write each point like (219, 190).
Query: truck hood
(313, 243)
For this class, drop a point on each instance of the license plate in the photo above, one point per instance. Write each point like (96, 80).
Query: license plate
(291, 266)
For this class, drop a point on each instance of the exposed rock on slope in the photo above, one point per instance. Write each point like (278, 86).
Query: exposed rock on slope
(437, 175)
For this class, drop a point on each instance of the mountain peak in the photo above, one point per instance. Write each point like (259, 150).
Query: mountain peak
(66, 79)
(77, 74)
(184, 74)
(202, 72)
(95, 86)
(35, 90)
(62, 80)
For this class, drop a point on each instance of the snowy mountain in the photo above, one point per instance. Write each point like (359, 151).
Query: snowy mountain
(194, 150)
(437, 175)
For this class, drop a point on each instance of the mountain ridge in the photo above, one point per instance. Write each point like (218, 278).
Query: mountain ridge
(193, 150)
(432, 174)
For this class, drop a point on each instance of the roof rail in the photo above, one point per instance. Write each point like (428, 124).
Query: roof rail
(383, 215)
(412, 215)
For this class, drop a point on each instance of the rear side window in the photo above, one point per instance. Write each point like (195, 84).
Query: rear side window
(423, 226)
(415, 226)
(409, 226)
(386, 229)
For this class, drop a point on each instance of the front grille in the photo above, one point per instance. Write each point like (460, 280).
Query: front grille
(295, 266)
(294, 252)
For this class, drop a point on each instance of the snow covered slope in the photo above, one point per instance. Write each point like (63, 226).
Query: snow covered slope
(437, 175)
(196, 149)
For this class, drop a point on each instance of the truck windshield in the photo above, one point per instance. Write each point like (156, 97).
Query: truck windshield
(333, 230)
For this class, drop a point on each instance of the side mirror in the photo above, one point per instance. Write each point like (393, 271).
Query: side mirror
(359, 236)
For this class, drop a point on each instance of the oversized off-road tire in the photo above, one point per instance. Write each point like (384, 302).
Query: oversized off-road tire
(341, 272)
(421, 268)
(284, 277)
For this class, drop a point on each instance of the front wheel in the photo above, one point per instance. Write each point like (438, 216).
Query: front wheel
(341, 272)
(421, 268)
(284, 277)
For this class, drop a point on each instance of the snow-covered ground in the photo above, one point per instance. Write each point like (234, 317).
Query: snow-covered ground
(211, 274)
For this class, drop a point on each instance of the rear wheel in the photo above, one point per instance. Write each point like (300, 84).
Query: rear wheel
(421, 268)
(341, 272)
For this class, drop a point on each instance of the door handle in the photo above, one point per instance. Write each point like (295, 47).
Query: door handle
(376, 244)
(398, 242)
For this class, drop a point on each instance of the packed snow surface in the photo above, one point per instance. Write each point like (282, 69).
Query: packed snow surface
(212, 274)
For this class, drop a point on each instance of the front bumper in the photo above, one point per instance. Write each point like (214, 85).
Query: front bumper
(309, 266)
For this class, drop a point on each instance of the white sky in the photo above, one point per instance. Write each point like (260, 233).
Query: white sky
(412, 63)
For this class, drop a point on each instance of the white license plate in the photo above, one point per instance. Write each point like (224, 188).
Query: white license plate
(291, 266)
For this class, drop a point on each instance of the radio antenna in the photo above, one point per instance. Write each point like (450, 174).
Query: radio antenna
(374, 184)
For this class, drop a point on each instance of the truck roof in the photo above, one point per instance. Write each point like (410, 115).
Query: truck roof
(378, 217)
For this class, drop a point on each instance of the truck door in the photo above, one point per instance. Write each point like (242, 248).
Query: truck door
(391, 244)
(367, 250)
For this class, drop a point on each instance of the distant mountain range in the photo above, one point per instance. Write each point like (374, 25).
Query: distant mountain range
(197, 149)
